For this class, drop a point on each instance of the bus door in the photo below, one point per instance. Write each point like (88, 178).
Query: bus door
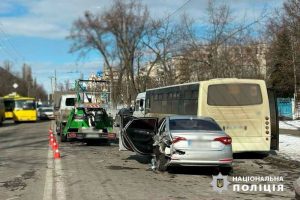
(274, 120)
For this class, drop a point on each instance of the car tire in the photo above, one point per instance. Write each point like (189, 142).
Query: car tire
(161, 162)
(226, 170)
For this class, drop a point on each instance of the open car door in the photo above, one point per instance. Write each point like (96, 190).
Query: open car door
(138, 134)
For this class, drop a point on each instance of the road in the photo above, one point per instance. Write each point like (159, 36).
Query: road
(99, 171)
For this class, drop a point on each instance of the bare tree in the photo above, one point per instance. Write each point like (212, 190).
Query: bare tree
(284, 52)
(226, 49)
(115, 34)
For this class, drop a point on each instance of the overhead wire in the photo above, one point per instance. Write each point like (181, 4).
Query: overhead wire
(13, 49)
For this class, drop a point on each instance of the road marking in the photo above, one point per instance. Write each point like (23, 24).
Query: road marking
(49, 177)
(60, 187)
(13, 198)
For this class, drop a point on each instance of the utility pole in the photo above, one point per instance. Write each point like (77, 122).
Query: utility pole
(55, 86)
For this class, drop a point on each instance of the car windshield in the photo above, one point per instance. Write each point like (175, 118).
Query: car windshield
(193, 124)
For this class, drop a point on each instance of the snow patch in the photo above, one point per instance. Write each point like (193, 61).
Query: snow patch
(289, 147)
(291, 125)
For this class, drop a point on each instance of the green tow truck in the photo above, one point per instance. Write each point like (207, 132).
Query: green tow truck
(88, 120)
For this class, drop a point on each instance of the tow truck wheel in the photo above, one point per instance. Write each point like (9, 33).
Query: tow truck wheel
(63, 137)
(58, 130)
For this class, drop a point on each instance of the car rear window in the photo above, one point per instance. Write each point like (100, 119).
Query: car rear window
(234, 95)
(47, 110)
(193, 124)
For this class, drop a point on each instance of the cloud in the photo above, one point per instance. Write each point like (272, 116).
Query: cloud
(53, 18)
(47, 18)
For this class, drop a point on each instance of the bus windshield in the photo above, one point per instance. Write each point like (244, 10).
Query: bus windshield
(237, 94)
(25, 104)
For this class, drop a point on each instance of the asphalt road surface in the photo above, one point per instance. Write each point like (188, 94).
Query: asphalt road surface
(101, 171)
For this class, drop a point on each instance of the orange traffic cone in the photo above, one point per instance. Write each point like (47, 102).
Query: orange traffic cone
(56, 154)
(51, 135)
(55, 145)
(51, 141)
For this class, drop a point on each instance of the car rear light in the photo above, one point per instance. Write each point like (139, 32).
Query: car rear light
(225, 140)
(226, 160)
(177, 139)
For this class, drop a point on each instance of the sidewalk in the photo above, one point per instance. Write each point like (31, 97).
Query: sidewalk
(290, 125)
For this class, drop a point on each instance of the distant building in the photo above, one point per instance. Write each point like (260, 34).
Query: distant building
(247, 62)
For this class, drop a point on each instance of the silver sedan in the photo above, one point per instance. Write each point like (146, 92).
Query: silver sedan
(191, 141)
(179, 140)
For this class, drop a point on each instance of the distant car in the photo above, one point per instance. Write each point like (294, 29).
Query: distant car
(120, 113)
(180, 141)
(46, 113)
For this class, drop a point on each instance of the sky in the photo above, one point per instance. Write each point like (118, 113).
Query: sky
(34, 31)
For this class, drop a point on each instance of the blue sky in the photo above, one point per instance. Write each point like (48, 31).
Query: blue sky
(34, 31)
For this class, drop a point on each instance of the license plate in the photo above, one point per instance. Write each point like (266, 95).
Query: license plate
(111, 136)
(92, 136)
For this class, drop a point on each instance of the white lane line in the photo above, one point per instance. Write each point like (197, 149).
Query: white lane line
(60, 187)
(49, 177)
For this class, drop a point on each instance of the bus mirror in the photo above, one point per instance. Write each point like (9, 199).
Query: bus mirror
(141, 109)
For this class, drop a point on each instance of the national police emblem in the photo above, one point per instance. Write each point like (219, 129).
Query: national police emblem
(220, 183)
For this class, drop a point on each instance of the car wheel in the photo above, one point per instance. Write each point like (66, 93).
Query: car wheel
(161, 162)
(226, 170)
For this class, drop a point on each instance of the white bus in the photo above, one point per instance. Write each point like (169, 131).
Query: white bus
(240, 106)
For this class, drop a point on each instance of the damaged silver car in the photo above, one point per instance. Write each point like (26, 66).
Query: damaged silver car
(179, 141)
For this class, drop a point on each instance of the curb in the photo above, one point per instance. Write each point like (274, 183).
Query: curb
(297, 188)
